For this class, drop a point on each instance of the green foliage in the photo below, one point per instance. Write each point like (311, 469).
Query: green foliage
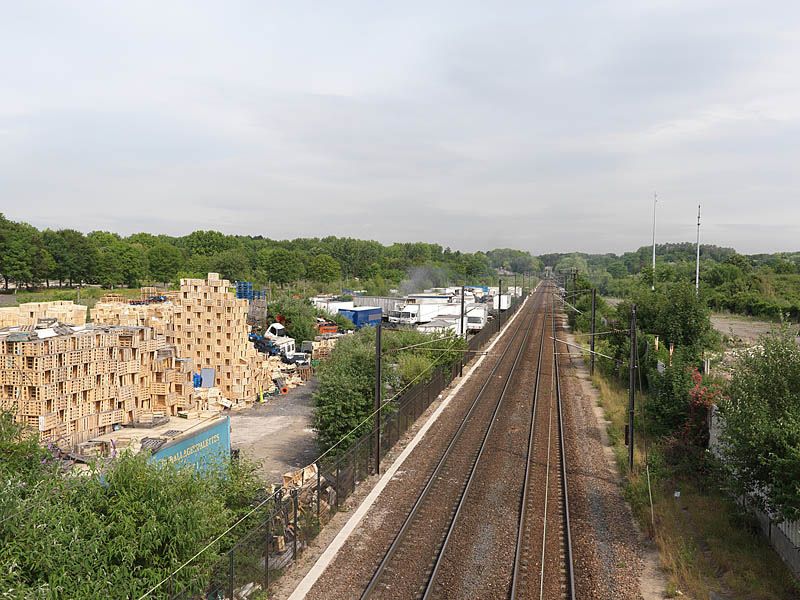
(761, 416)
(673, 312)
(668, 399)
(112, 532)
(346, 388)
(300, 317)
(345, 396)
(324, 268)
(164, 261)
(280, 266)
(517, 261)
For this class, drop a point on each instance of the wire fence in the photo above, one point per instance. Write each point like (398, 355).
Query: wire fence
(297, 512)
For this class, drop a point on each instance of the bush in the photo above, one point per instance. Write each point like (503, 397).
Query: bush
(112, 532)
(761, 425)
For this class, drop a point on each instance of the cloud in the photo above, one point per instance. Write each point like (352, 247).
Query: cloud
(546, 127)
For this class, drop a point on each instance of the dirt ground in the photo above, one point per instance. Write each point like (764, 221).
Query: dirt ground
(279, 434)
(741, 330)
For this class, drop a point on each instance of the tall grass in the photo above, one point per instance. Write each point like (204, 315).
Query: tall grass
(705, 542)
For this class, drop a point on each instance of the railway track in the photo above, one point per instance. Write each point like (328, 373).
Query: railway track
(406, 567)
(543, 564)
(493, 519)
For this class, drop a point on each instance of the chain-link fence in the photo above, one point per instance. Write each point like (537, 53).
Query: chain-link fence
(295, 514)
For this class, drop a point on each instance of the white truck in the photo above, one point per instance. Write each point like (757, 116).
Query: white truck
(476, 318)
(277, 334)
(502, 302)
(414, 314)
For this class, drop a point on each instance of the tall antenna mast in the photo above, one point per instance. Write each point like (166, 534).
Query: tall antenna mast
(655, 200)
(697, 267)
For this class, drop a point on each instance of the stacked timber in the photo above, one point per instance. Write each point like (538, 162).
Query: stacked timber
(75, 383)
(29, 313)
(209, 326)
(157, 315)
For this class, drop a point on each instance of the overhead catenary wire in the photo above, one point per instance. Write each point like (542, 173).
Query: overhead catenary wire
(272, 496)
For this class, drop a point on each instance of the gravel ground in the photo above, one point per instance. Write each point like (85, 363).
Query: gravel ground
(485, 524)
(349, 572)
(611, 559)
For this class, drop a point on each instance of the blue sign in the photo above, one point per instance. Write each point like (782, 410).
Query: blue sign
(207, 445)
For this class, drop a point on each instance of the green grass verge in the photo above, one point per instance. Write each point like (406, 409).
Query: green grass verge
(705, 542)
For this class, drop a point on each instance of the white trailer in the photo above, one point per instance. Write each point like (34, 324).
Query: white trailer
(331, 306)
(440, 326)
(502, 302)
(414, 314)
(387, 303)
(476, 318)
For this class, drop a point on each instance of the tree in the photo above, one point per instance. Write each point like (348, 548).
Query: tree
(280, 266)
(324, 268)
(232, 265)
(164, 261)
(761, 425)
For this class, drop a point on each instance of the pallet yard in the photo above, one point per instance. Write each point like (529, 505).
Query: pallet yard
(74, 383)
(29, 313)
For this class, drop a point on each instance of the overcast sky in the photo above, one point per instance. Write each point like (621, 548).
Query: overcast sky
(545, 126)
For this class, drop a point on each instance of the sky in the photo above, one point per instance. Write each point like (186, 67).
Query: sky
(544, 126)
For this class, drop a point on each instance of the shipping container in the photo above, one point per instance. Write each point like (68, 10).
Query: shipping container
(362, 316)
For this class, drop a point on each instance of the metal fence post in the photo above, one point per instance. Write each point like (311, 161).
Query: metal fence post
(294, 525)
(319, 491)
(338, 487)
(230, 573)
(266, 554)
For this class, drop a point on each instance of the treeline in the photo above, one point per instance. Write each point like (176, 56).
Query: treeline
(32, 258)
(762, 285)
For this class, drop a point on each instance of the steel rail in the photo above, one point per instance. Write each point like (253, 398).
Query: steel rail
(474, 469)
(515, 579)
(563, 468)
(377, 575)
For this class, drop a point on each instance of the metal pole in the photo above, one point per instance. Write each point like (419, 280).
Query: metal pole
(463, 333)
(294, 525)
(631, 386)
(230, 573)
(697, 267)
(266, 554)
(319, 491)
(499, 301)
(377, 406)
(591, 343)
(655, 200)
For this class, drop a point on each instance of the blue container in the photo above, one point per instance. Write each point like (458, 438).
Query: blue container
(205, 447)
(362, 316)
(244, 290)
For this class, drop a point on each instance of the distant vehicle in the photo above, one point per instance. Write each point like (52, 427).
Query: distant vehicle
(503, 302)
(264, 344)
(476, 318)
(414, 314)
(297, 358)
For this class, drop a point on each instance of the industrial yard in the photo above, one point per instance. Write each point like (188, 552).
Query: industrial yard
(408, 301)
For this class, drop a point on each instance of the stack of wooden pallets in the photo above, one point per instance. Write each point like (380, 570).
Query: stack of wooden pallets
(73, 384)
(157, 315)
(209, 325)
(29, 313)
